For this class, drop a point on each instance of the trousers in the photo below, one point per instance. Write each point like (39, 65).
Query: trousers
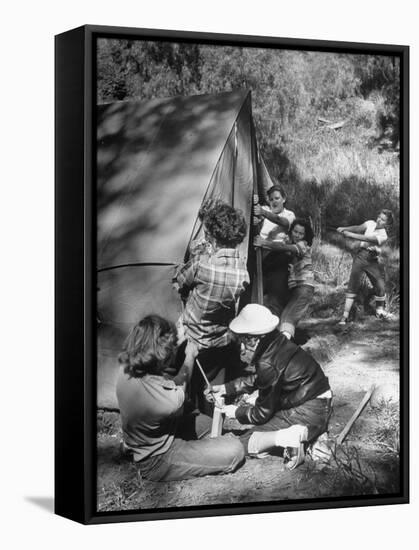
(365, 262)
(275, 281)
(314, 414)
(220, 365)
(297, 306)
(193, 454)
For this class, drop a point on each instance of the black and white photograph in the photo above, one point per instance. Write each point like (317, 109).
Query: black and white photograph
(209, 306)
(249, 252)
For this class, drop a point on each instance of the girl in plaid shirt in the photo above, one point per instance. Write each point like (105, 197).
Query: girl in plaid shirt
(210, 285)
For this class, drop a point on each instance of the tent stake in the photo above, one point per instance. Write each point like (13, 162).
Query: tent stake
(218, 417)
(361, 406)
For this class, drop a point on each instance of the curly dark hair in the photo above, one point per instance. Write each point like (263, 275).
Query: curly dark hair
(389, 215)
(225, 224)
(207, 205)
(308, 231)
(150, 347)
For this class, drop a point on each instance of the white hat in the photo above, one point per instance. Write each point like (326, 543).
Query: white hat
(254, 319)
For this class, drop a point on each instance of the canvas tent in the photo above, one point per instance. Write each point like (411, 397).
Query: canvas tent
(156, 162)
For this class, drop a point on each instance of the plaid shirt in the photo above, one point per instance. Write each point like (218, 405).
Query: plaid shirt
(211, 285)
(301, 268)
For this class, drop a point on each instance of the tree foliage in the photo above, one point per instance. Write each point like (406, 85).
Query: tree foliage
(332, 175)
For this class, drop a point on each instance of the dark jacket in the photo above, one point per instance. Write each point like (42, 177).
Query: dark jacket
(286, 376)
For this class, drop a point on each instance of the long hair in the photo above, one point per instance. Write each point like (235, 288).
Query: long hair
(150, 347)
(308, 231)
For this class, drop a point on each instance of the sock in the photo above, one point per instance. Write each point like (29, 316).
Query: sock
(253, 446)
(348, 306)
(380, 304)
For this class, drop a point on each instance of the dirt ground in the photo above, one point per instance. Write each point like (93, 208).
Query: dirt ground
(363, 354)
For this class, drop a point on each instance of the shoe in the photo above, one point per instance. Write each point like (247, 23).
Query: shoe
(384, 315)
(320, 449)
(125, 450)
(294, 456)
(343, 322)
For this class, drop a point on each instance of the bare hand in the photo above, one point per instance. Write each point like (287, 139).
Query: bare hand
(258, 241)
(180, 330)
(340, 229)
(229, 411)
(258, 211)
(251, 399)
(221, 389)
(191, 352)
(209, 395)
(215, 393)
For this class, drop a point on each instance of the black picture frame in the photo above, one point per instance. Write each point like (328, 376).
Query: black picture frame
(75, 273)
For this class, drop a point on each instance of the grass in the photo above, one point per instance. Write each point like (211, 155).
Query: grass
(332, 267)
(350, 472)
(108, 423)
(355, 149)
(323, 348)
(387, 433)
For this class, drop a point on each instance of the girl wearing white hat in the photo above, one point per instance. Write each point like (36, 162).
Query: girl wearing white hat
(293, 406)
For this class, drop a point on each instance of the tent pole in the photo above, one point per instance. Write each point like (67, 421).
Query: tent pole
(259, 272)
(234, 164)
(258, 250)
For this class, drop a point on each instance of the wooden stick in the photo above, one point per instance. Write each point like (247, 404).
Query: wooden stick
(358, 411)
(207, 382)
(217, 417)
(259, 272)
(259, 275)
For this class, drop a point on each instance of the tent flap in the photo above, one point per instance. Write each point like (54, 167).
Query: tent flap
(156, 162)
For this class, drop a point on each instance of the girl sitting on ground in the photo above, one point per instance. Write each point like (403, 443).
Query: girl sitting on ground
(300, 277)
(166, 443)
(372, 235)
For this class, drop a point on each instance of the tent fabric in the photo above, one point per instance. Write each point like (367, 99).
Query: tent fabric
(156, 163)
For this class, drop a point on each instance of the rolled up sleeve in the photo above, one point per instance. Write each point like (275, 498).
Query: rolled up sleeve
(186, 275)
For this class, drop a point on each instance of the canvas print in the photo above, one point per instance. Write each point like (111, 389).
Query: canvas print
(248, 274)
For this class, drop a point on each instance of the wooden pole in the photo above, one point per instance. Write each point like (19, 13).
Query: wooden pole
(361, 406)
(259, 275)
(258, 251)
(259, 271)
